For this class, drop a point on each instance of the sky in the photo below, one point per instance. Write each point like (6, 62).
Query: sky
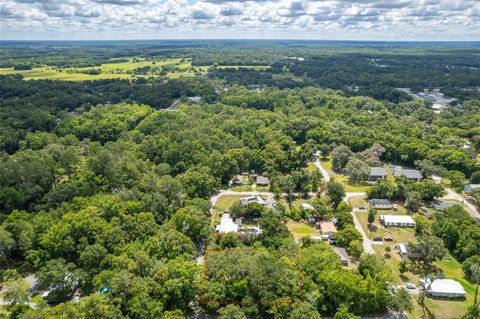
(409, 20)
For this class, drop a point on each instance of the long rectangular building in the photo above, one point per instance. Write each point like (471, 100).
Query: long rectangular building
(397, 220)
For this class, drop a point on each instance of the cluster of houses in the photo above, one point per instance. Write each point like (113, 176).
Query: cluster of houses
(229, 225)
(377, 173)
(244, 179)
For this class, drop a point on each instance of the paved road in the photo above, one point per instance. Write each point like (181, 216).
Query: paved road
(326, 175)
(452, 195)
(367, 243)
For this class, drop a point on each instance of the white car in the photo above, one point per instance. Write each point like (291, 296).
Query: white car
(410, 286)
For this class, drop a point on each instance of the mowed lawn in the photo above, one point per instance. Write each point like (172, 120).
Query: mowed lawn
(446, 309)
(300, 230)
(223, 203)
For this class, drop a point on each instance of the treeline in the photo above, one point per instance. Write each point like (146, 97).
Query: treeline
(28, 106)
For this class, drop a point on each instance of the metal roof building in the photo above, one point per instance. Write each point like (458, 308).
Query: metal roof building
(397, 220)
(445, 288)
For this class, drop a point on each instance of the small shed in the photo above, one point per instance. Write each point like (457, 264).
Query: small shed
(342, 254)
(262, 181)
(403, 250)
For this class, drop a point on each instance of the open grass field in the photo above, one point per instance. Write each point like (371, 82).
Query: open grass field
(114, 70)
(119, 70)
(300, 230)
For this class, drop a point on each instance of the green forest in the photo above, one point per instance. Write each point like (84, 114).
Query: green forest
(106, 186)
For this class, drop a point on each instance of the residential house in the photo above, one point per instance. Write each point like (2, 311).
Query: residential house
(253, 199)
(444, 288)
(237, 180)
(397, 220)
(377, 173)
(328, 228)
(411, 174)
(380, 203)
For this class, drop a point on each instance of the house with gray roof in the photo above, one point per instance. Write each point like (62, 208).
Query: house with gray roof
(411, 174)
(380, 203)
(377, 173)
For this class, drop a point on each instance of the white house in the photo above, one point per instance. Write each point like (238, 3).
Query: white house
(444, 288)
(227, 225)
(397, 220)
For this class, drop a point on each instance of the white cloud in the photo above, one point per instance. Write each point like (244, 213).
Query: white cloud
(321, 19)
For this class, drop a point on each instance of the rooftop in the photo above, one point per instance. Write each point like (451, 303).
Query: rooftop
(377, 171)
(446, 286)
(379, 201)
(227, 225)
(341, 252)
(408, 173)
(397, 219)
(328, 227)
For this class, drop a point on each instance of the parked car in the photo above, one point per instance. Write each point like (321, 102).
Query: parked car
(361, 208)
(333, 242)
(410, 286)
(377, 238)
(388, 238)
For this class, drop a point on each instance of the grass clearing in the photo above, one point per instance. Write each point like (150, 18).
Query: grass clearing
(121, 70)
(300, 230)
(223, 203)
(242, 188)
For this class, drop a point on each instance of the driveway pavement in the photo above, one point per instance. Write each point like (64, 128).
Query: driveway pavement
(452, 195)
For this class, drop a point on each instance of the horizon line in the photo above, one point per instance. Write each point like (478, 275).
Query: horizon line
(239, 39)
